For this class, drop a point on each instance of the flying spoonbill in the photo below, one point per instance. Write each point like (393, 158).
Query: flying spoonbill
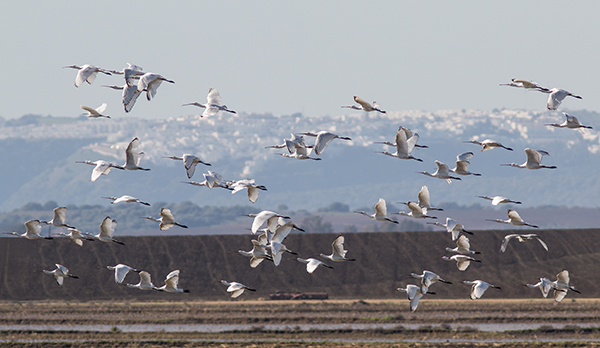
(427, 279)
(521, 238)
(101, 168)
(513, 219)
(462, 261)
(380, 212)
(290, 144)
(462, 164)
(149, 82)
(133, 157)
(561, 286)
(60, 273)
(107, 230)
(364, 105)
(212, 179)
(312, 264)
(338, 253)
(545, 285)
(126, 199)
(249, 185)
(58, 220)
(33, 229)
(499, 200)
(166, 220)
(94, 113)
(213, 104)
(463, 246)
(145, 282)
(189, 162)
(571, 122)
(478, 287)
(404, 145)
(488, 144)
(409, 135)
(521, 83)
(275, 242)
(172, 283)
(424, 201)
(270, 217)
(131, 72)
(442, 172)
(235, 288)
(86, 73)
(76, 236)
(414, 295)
(534, 160)
(300, 152)
(452, 226)
(323, 139)
(257, 254)
(416, 211)
(129, 96)
(121, 271)
(556, 97)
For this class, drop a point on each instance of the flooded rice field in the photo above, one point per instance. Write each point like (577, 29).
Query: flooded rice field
(330, 323)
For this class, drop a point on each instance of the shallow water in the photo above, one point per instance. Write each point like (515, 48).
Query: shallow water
(216, 328)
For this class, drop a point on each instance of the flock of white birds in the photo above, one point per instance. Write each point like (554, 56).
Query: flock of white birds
(269, 243)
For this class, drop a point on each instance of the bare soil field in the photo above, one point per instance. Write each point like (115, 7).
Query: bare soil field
(329, 323)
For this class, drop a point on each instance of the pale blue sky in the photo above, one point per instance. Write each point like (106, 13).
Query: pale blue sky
(307, 56)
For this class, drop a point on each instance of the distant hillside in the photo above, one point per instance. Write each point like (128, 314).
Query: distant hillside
(39, 154)
(383, 262)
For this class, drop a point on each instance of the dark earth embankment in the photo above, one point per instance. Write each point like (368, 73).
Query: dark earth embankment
(382, 259)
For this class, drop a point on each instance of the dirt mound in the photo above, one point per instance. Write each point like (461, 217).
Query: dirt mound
(384, 261)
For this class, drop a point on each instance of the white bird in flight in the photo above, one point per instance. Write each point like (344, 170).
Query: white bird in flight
(424, 200)
(189, 163)
(462, 164)
(133, 157)
(94, 113)
(275, 241)
(571, 122)
(129, 96)
(409, 135)
(545, 285)
(149, 82)
(212, 179)
(404, 145)
(126, 199)
(235, 288)
(521, 83)
(462, 261)
(172, 283)
(338, 253)
(59, 218)
(248, 184)
(561, 286)
(166, 220)
(478, 287)
(521, 238)
(416, 211)
(414, 295)
(513, 219)
(60, 273)
(270, 217)
(290, 144)
(76, 236)
(257, 254)
(121, 271)
(131, 73)
(300, 152)
(499, 200)
(33, 229)
(488, 144)
(323, 139)
(442, 172)
(463, 246)
(87, 73)
(364, 105)
(534, 160)
(102, 167)
(427, 279)
(107, 230)
(213, 104)
(312, 264)
(145, 282)
(380, 212)
(556, 97)
(452, 226)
